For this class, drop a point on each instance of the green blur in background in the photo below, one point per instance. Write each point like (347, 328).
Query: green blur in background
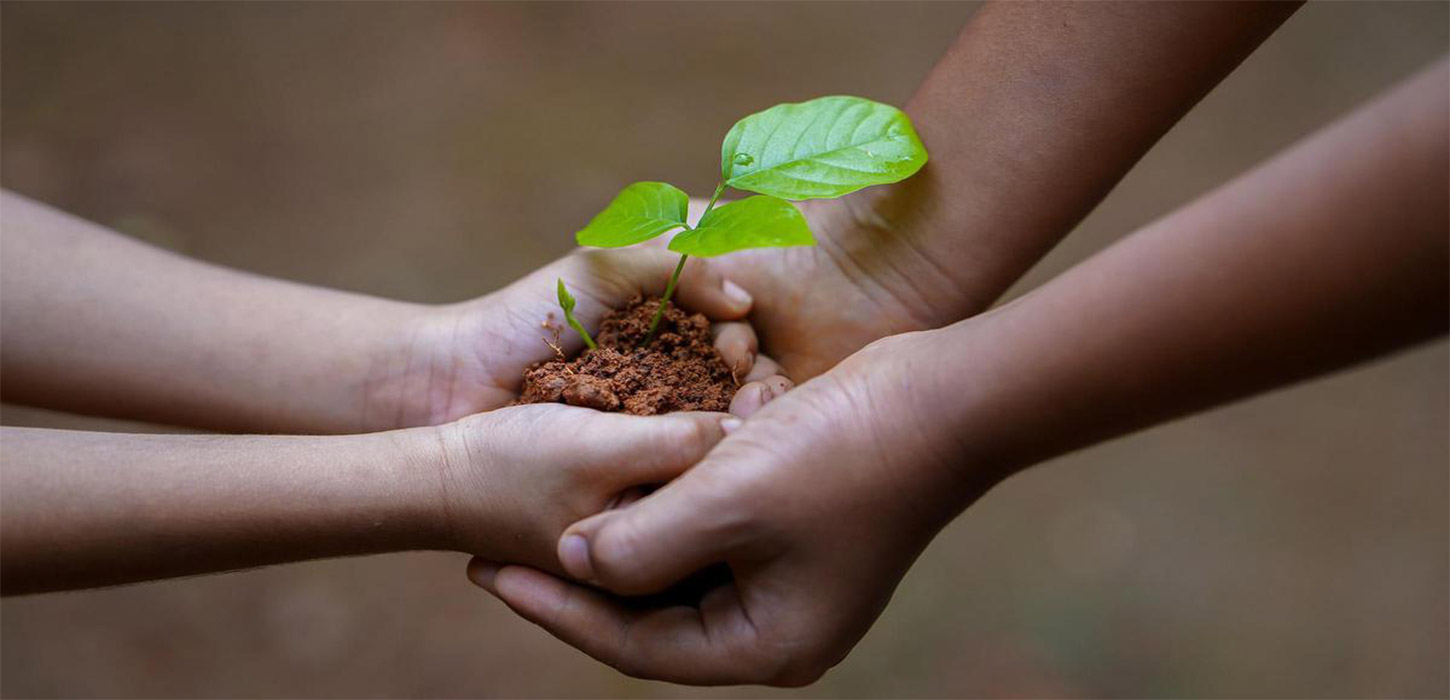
(1294, 545)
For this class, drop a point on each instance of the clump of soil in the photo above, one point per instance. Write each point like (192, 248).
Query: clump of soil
(679, 370)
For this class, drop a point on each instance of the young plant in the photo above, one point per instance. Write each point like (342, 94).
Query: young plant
(821, 149)
(566, 302)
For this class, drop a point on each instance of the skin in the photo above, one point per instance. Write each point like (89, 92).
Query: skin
(187, 343)
(1333, 253)
(84, 509)
(1031, 117)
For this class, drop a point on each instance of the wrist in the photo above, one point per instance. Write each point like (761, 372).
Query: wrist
(946, 435)
(412, 492)
(410, 371)
(991, 411)
(907, 242)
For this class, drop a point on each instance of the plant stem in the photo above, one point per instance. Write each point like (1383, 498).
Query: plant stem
(718, 189)
(654, 323)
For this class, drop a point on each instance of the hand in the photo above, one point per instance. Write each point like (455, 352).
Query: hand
(512, 479)
(867, 278)
(470, 357)
(819, 504)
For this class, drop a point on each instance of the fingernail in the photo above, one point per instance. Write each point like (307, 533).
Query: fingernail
(735, 294)
(482, 573)
(574, 556)
(729, 424)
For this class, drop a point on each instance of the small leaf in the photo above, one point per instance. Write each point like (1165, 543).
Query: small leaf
(827, 147)
(638, 213)
(753, 222)
(566, 300)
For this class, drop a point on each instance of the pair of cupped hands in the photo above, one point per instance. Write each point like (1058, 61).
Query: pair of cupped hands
(817, 497)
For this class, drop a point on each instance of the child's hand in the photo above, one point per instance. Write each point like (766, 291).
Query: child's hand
(470, 357)
(511, 480)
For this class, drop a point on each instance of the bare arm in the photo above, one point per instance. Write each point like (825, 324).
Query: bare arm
(99, 323)
(1330, 254)
(88, 509)
(1031, 117)
(1039, 109)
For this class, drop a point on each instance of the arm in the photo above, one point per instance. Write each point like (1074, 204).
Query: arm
(86, 509)
(98, 323)
(82, 509)
(1334, 253)
(1031, 117)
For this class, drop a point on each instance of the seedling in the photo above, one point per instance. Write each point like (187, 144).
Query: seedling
(566, 302)
(821, 149)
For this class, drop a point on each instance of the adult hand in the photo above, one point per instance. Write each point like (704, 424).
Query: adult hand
(818, 504)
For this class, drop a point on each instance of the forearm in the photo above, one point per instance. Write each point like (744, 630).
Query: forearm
(98, 323)
(1032, 117)
(1330, 254)
(82, 509)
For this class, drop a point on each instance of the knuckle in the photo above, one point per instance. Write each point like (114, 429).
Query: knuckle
(694, 437)
(615, 554)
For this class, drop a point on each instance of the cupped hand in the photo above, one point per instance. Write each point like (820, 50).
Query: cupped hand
(510, 480)
(470, 357)
(818, 505)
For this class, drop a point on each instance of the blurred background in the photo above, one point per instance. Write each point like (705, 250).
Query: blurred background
(1293, 545)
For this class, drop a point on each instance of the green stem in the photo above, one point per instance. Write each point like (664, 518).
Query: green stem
(654, 323)
(718, 189)
(579, 328)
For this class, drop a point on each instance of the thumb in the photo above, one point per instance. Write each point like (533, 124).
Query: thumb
(704, 289)
(650, 545)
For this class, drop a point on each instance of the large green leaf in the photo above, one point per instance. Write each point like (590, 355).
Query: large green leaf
(753, 222)
(640, 212)
(823, 148)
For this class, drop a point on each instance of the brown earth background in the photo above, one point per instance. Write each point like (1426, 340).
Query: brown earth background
(1293, 545)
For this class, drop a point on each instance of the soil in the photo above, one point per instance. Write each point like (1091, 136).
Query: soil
(680, 370)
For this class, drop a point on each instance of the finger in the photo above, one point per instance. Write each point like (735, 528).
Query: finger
(702, 288)
(753, 396)
(678, 644)
(651, 449)
(654, 543)
(482, 573)
(737, 345)
(764, 368)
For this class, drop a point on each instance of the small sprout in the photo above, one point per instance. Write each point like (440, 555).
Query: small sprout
(566, 302)
(825, 148)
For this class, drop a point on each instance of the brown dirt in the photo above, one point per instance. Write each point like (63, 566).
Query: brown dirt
(680, 370)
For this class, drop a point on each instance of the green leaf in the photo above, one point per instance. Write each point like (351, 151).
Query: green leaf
(753, 222)
(640, 212)
(566, 300)
(823, 148)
